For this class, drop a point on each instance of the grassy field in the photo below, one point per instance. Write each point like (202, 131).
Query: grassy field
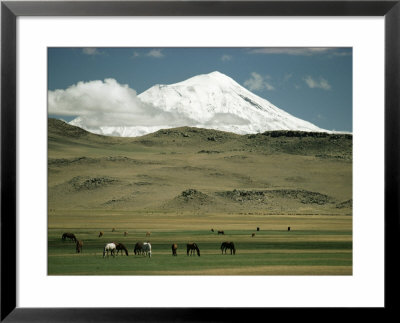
(180, 183)
(315, 245)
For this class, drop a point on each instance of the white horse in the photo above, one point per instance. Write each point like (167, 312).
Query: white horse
(147, 248)
(109, 247)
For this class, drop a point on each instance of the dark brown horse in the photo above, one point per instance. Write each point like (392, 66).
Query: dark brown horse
(138, 248)
(221, 232)
(192, 247)
(79, 245)
(121, 247)
(228, 245)
(174, 247)
(69, 235)
(101, 234)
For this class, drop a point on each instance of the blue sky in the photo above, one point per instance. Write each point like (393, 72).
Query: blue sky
(314, 84)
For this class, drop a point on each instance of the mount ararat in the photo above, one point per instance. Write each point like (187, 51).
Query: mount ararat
(212, 101)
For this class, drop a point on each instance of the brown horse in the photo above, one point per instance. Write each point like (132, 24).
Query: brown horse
(174, 247)
(221, 232)
(69, 235)
(148, 234)
(101, 234)
(121, 247)
(192, 247)
(138, 248)
(228, 245)
(113, 230)
(253, 235)
(79, 245)
(125, 233)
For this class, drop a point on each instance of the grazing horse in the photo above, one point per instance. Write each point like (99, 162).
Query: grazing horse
(147, 249)
(221, 232)
(253, 235)
(109, 247)
(212, 230)
(113, 230)
(68, 235)
(174, 247)
(101, 234)
(192, 247)
(125, 233)
(121, 247)
(148, 234)
(228, 245)
(138, 248)
(79, 245)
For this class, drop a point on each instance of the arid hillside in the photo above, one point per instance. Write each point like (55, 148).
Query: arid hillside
(200, 171)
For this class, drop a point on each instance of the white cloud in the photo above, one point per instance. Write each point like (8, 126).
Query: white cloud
(153, 53)
(107, 103)
(303, 51)
(91, 51)
(257, 82)
(319, 84)
(135, 54)
(226, 58)
(156, 53)
(269, 86)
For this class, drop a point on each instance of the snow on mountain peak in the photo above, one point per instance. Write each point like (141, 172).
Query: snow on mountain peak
(216, 101)
(213, 101)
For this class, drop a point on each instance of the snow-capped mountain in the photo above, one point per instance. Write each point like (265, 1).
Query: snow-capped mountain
(216, 101)
(213, 101)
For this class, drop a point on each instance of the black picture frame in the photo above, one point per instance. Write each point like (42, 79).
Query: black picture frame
(11, 10)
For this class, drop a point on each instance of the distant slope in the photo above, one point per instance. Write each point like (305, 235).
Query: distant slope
(208, 141)
(200, 170)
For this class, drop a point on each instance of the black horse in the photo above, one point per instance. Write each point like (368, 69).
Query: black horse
(221, 232)
(174, 247)
(192, 247)
(228, 245)
(69, 235)
(121, 247)
(138, 248)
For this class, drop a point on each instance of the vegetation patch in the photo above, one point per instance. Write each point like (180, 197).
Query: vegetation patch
(265, 196)
(208, 152)
(193, 194)
(70, 161)
(345, 204)
(80, 183)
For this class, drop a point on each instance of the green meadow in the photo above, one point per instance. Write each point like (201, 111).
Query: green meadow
(315, 245)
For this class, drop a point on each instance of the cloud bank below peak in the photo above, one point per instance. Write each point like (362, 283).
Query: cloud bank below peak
(110, 108)
(98, 105)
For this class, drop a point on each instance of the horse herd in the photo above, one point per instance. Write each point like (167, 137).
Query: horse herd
(144, 248)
